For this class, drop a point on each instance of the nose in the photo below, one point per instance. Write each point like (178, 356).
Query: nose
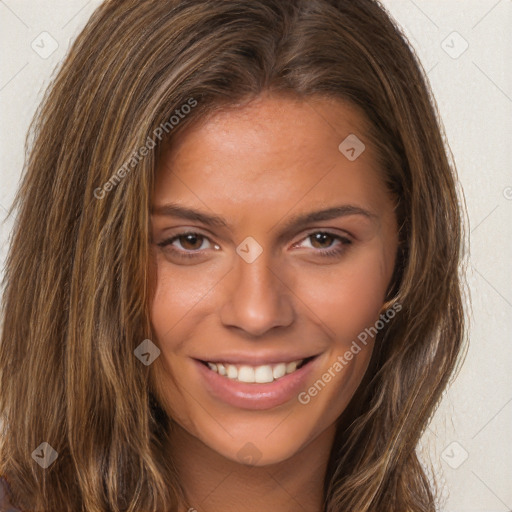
(256, 298)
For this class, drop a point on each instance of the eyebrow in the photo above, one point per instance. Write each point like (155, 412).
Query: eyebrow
(182, 212)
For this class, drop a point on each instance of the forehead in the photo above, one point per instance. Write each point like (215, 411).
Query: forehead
(271, 150)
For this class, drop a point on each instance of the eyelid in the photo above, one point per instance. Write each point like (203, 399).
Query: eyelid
(343, 240)
(197, 231)
(328, 231)
(169, 240)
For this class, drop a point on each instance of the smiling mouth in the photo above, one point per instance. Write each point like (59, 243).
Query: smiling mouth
(262, 374)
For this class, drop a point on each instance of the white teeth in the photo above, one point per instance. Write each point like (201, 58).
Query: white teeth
(232, 371)
(255, 374)
(279, 370)
(263, 374)
(291, 367)
(246, 374)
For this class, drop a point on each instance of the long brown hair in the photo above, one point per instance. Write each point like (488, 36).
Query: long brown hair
(77, 278)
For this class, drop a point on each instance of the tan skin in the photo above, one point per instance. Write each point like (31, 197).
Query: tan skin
(258, 167)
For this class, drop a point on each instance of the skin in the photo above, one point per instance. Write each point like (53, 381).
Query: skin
(257, 167)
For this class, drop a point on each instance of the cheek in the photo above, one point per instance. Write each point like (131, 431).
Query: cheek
(348, 297)
(176, 294)
(174, 297)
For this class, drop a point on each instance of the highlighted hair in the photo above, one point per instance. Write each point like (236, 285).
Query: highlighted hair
(77, 279)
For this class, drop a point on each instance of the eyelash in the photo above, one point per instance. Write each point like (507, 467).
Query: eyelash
(324, 253)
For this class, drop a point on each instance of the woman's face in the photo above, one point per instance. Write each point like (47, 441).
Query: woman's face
(292, 250)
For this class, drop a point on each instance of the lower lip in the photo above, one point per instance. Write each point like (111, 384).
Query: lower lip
(256, 396)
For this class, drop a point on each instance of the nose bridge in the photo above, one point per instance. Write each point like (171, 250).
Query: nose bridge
(257, 299)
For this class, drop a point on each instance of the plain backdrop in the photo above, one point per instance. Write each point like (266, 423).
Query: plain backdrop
(466, 48)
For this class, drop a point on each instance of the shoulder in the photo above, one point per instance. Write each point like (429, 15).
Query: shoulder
(5, 504)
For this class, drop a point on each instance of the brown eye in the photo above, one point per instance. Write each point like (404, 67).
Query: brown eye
(326, 244)
(324, 240)
(187, 244)
(190, 241)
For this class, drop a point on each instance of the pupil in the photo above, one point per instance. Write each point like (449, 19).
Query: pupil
(321, 238)
(190, 239)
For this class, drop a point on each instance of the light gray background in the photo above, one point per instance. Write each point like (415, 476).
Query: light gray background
(469, 439)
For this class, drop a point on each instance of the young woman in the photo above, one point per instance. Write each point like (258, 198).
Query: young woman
(234, 279)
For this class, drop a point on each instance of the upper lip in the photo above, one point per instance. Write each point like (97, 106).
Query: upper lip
(255, 359)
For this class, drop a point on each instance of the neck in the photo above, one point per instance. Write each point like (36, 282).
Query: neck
(211, 482)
